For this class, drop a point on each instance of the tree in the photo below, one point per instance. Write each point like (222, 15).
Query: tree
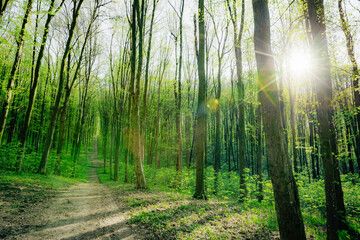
(335, 210)
(137, 21)
(287, 203)
(200, 132)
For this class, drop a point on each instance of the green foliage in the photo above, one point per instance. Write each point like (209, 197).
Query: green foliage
(10, 154)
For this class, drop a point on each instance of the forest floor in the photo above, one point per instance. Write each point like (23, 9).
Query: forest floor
(48, 207)
(84, 210)
(165, 215)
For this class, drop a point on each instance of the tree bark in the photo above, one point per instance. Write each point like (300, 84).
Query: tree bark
(287, 203)
(178, 161)
(200, 133)
(323, 88)
(260, 195)
(135, 92)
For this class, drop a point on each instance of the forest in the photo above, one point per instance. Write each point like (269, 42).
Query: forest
(180, 119)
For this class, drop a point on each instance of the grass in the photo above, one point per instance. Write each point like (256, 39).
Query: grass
(166, 212)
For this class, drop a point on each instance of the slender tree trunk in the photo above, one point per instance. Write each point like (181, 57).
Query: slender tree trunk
(217, 130)
(112, 150)
(287, 203)
(13, 116)
(178, 160)
(260, 195)
(312, 146)
(37, 144)
(117, 151)
(350, 136)
(200, 133)
(135, 92)
(293, 129)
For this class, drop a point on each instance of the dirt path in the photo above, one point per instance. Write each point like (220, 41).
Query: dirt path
(84, 211)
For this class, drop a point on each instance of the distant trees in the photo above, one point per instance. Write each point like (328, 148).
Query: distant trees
(355, 76)
(35, 80)
(55, 110)
(14, 70)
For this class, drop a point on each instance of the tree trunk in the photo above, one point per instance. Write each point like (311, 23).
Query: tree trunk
(135, 92)
(287, 202)
(323, 88)
(293, 129)
(178, 162)
(217, 130)
(260, 195)
(200, 133)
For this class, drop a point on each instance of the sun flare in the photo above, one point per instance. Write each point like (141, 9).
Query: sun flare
(300, 65)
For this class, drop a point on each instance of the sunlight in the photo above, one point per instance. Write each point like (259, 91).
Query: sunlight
(300, 65)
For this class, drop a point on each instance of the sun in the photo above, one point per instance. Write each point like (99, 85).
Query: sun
(299, 65)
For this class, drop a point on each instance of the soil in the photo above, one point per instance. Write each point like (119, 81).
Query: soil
(82, 211)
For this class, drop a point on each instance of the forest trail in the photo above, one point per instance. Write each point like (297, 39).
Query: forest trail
(84, 211)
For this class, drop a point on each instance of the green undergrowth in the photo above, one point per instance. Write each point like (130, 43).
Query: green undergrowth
(175, 215)
(9, 157)
(21, 192)
(168, 211)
